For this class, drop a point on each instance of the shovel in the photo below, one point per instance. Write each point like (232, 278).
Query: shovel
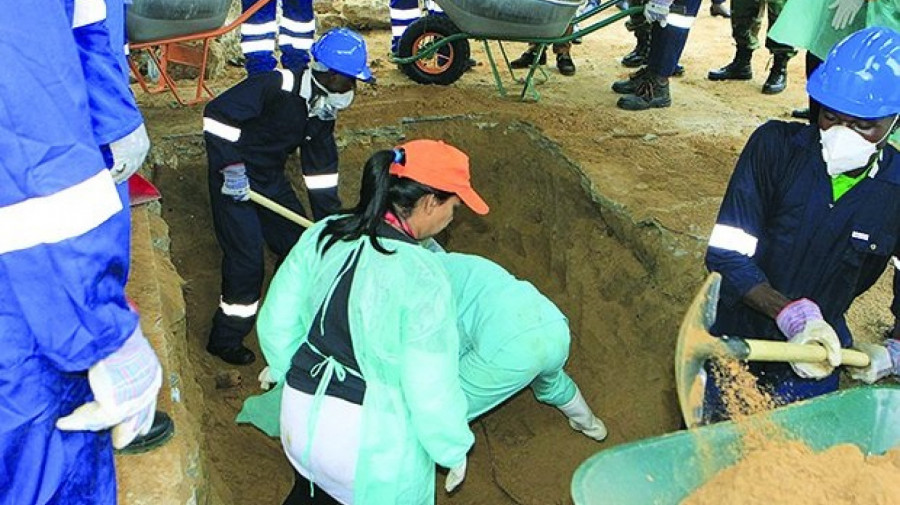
(279, 209)
(696, 345)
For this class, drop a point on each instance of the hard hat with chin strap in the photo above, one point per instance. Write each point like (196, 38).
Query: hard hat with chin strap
(861, 75)
(343, 50)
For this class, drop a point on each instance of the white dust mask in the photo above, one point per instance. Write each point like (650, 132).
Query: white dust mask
(844, 150)
(326, 105)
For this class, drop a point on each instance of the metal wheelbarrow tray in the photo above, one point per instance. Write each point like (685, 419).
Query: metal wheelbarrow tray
(511, 19)
(666, 469)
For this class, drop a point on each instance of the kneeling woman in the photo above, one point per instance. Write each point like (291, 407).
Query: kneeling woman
(360, 319)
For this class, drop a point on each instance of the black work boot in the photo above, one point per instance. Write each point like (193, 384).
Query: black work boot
(527, 59)
(638, 56)
(652, 93)
(777, 80)
(630, 85)
(160, 432)
(564, 64)
(737, 70)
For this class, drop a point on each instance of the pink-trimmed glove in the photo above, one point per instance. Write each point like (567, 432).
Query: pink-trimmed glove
(884, 360)
(657, 10)
(125, 385)
(801, 322)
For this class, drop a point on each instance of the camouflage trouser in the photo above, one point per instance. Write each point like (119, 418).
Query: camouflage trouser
(746, 20)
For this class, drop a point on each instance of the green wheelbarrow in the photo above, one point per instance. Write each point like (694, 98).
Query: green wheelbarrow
(664, 470)
(435, 49)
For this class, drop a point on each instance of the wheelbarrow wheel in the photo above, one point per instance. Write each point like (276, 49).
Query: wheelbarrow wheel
(447, 64)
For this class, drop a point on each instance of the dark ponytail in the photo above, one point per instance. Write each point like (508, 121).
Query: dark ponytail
(379, 192)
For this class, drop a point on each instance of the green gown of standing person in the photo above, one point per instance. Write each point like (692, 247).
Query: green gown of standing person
(806, 24)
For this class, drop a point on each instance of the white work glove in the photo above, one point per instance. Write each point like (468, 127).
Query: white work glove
(844, 12)
(265, 379)
(236, 184)
(657, 10)
(128, 154)
(884, 360)
(125, 385)
(455, 477)
(801, 322)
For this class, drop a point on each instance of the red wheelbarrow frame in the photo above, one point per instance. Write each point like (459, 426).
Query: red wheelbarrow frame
(178, 50)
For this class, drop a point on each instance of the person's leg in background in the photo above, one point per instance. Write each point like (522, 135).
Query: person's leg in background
(258, 38)
(638, 25)
(403, 14)
(746, 17)
(296, 33)
(564, 62)
(651, 87)
(811, 113)
(300, 493)
(781, 53)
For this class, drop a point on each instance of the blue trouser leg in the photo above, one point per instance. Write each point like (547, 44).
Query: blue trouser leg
(296, 32)
(667, 44)
(258, 38)
(403, 14)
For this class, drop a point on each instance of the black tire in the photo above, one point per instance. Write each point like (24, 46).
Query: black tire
(447, 64)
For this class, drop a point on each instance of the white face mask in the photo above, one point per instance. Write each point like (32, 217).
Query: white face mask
(844, 150)
(327, 104)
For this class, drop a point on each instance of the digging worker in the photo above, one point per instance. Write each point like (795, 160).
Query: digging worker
(77, 376)
(811, 218)
(250, 130)
(359, 322)
(512, 336)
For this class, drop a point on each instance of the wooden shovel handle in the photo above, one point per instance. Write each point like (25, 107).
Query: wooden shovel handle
(280, 209)
(767, 350)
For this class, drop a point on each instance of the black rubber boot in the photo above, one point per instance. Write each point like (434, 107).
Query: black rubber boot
(160, 432)
(527, 59)
(800, 113)
(630, 85)
(719, 9)
(239, 355)
(638, 56)
(652, 93)
(737, 70)
(777, 80)
(564, 64)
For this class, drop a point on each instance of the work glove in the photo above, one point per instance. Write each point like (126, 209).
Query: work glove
(455, 477)
(125, 385)
(884, 360)
(265, 379)
(657, 10)
(844, 12)
(128, 154)
(801, 322)
(236, 184)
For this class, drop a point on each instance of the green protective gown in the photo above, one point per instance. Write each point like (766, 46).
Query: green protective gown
(403, 328)
(510, 334)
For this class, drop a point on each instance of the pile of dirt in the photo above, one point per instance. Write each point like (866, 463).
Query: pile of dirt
(790, 473)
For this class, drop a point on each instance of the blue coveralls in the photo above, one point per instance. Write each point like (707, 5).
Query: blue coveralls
(667, 43)
(260, 122)
(405, 13)
(63, 264)
(295, 33)
(779, 224)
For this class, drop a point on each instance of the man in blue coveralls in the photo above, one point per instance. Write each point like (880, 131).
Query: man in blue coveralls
(810, 220)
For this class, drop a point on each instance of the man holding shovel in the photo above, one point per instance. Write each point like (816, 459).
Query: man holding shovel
(810, 220)
(250, 130)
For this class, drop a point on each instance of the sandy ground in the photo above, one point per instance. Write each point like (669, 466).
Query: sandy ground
(665, 169)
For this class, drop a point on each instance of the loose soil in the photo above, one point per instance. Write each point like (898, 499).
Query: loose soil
(606, 211)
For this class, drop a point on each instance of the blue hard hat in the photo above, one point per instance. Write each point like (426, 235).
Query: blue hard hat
(861, 75)
(343, 51)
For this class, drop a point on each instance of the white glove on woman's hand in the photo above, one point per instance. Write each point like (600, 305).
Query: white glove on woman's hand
(884, 360)
(128, 154)
(455, 477)
(125, 385)
(844, 12)
(265, 379)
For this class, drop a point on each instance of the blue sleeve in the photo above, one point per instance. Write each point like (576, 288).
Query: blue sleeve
(739, 229)
(63, 232)
(114, 112)
(226, 115)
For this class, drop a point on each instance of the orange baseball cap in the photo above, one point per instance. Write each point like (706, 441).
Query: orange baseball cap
(440, 166)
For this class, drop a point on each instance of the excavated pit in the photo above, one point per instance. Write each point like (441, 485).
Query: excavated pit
(612, 276)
